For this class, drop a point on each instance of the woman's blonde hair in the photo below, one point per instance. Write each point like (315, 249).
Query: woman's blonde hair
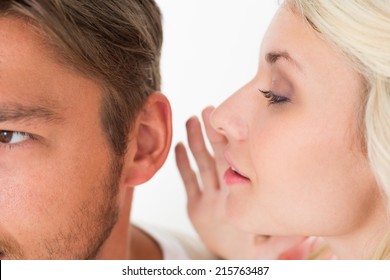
(361, 30)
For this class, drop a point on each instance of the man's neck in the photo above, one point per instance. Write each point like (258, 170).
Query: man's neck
(127, 242)
(143, 246)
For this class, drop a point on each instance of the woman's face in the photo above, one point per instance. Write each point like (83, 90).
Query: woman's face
(295, 134)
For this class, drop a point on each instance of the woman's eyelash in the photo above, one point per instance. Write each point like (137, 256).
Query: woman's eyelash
(273, 98)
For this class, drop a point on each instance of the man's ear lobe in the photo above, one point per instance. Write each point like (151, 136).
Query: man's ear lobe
(149, 142)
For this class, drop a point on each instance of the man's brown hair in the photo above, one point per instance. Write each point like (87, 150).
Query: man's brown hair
(117, 43)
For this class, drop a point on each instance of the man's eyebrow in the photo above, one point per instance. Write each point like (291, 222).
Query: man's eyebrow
(273, 57)
(19, 112)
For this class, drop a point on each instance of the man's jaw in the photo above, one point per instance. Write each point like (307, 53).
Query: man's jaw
(10, 249)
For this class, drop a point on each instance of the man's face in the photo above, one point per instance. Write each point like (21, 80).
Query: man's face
(58, 191)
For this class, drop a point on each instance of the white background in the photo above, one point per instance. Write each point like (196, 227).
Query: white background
(210, 50)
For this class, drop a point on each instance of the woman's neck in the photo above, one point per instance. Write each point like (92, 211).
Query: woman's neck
(362, 242)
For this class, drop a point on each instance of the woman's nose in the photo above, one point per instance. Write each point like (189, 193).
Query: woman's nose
(229, 118)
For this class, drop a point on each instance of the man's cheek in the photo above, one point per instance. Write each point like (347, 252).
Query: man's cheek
(26, 195)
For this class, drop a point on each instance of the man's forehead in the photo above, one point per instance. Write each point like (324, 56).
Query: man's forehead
(29, 36)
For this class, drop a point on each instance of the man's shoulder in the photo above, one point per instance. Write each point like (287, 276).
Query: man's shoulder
(176, 245)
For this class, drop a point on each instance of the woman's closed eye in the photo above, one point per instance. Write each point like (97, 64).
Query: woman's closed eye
(274, 98)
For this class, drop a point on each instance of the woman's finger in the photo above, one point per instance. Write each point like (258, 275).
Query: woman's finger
(274, 247)
(204, 160)
(187, 174)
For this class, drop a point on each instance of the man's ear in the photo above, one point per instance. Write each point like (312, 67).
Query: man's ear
(149, 141)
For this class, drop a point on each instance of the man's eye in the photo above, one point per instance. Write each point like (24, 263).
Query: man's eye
(13, 137)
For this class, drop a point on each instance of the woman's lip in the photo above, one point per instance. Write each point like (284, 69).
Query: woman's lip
(229, 161)
(231, 178)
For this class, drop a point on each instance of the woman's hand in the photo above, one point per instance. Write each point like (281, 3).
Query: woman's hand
(207, 199)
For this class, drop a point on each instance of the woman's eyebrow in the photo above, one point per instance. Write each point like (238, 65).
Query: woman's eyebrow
(20, 113)
(274, 56)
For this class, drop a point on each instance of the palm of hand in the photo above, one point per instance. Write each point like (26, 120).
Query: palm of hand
(207, 204)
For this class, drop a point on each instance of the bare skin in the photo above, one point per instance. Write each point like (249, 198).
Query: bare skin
(207, 205)
(288, 146)
(64, 194)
